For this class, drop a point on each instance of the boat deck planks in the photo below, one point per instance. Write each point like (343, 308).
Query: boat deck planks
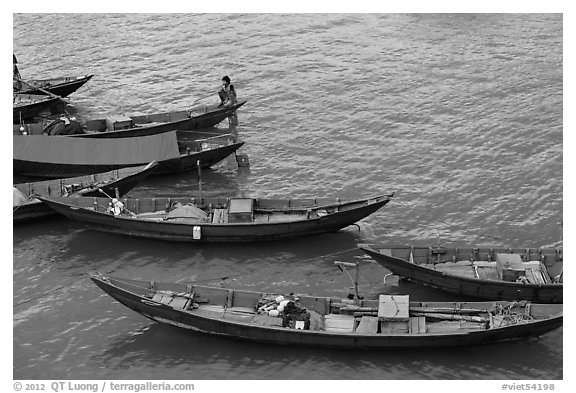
(368, 325)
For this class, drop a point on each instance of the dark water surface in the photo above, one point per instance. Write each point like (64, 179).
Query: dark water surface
(461, 115)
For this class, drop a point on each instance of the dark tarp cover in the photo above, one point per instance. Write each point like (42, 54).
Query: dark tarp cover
(95, 151)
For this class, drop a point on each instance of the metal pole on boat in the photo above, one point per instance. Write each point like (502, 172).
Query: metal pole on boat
(356, 265)
(199, 178)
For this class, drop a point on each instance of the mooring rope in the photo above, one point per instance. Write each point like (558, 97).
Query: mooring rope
(221, 278)
(51, 291)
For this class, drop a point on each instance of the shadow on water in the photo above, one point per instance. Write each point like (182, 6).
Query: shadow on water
(56, 227)
(83, 241)
(215, 182)
(172, 347)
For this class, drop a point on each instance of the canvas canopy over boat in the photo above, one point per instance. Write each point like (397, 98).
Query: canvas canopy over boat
(217, 219)
(26, 106)
(113, 183)
(533, 274)
(49, 157)
(114, 126)
(391, 321)
(60, 86)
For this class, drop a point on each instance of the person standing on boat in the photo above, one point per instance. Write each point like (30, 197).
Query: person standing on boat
(233, 118)
(232, 96)
(224, 93)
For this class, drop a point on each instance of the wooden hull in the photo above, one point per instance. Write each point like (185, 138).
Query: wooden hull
(464, 286)
(144, 124)
(121, 181)
(208, 232)
(184, 163)
(240, 325)
(62, 87)
(26, 111)
(205, 120)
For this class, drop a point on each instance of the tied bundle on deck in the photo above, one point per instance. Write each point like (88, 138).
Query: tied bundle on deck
(285, 307)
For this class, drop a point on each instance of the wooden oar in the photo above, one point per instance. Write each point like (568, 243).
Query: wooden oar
(40, 89)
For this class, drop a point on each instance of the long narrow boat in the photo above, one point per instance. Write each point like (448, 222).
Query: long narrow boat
(132, 126)
(49, 157)
(217, 219)
(388, 322)
(26, 106)
(62, 86)
(117, 182)
(532, 274)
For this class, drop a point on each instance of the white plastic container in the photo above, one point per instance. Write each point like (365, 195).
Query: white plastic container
(273, 313)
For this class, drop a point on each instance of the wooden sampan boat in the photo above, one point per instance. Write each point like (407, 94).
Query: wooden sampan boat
(217, 219)
(62, 86)
(389, 322)
(26, 106)
(198, 117)
(529, 274)
(50, 157)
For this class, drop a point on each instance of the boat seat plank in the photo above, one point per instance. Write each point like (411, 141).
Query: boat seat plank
(279, 217)
(338, 323)
(179, 302)
(454, 326)
(157, 297)
(417, 325)
(163, 298)
(457, 270)
(220, 216)
(245, 310)
(488, 273)
(393, 327)
(368, 325)
(211, 307)
(237, 316)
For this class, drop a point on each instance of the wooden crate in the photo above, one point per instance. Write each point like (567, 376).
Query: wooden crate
(240, 210)
(510, 266)
(393, 307)
(114, 123)
(393, 327)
